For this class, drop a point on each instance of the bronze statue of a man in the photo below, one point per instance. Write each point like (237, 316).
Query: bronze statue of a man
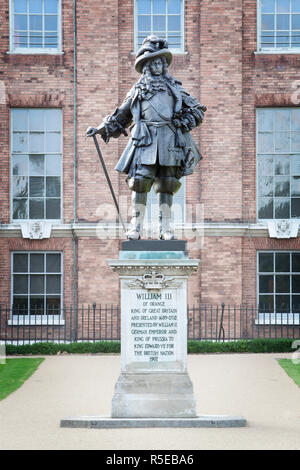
(160, 150)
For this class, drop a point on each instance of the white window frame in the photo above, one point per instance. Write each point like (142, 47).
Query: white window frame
(36, 319)
(271, 50)
(35, 50)
(53, 221)
(288, 319)
(257, 166)
(180, 50)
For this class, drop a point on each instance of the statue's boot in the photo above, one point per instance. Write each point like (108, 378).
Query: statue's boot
(138, 208)
(165, 206)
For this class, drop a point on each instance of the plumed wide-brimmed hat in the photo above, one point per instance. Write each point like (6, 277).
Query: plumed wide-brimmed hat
(152, 47)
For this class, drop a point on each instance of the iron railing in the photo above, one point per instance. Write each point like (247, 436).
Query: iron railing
(103, 323)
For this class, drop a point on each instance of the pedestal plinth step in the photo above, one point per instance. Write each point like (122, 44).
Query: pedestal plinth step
(205, 421)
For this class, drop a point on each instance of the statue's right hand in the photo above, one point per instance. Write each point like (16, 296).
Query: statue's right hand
(91, 131)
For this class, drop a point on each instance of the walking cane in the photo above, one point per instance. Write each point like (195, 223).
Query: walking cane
(108, 180)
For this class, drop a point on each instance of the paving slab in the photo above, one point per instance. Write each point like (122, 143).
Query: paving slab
(249, 385)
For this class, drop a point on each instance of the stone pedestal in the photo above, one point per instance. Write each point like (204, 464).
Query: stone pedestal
(154, 382)
(154, 388)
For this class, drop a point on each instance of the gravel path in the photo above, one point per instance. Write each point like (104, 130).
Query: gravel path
(251, 385)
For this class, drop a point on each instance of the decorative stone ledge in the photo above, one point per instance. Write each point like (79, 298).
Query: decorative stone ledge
(115, 231)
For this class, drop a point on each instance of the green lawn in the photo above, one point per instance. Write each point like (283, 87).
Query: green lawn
(293, 370)
(14, 373)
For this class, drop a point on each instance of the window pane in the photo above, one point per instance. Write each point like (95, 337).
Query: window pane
(50, 6)
(50, 40)
(37, 263)
(53, 186)
(53, 284)
(282, 142)
(20, 186)
(282, 262)
(19, 119)
(282, 208)
(265, 120)
(35, 40)
(295, 6)
(36, 305)
(296, 284)
(295, 164)
(283, 22)
(36, 142)
(283, 39)
(53, 165)
(266, 303)
(20, 22)
(159, 23)
(295, 141)
(144, 23)
(265, 143)
(295, 21)
(20, 6)
(174, 23)
(265, 208)
(53, 120)
(295, 189)
(267, 6)
(53, 305)
(295, 207)
(159, 6)
(265, 166)
(35, 22)
(53, 142)
(36, 120)
(174, 6)
(20, 142)
(36, 165)
(282, 186)
(296, 262)
(53, 263)
(36, 209)
(20, 209)
(282, 165)
(51, 23)
(283, 6)
(281, 120)
(20, 305)
(35, 6)
(20, 165)
(296, 303)
(282, 303)
(266, 284)
(267, 22)
(20, 263)
(53, 208)
(36, 284)
(144, 6)
(267, 39)
(20, 284)
(266, 262)
(295, 39)
(265, 186)
(37, 188)
(295, 118)
(282, 284)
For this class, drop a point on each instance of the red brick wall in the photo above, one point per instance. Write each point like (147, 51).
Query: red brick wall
(37, 81)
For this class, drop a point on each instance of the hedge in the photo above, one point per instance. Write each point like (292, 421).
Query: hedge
(194, 347)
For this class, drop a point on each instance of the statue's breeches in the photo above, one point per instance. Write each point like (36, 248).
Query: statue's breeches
(163, 178)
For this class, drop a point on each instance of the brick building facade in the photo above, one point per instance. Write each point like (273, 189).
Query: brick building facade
(225, 65)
